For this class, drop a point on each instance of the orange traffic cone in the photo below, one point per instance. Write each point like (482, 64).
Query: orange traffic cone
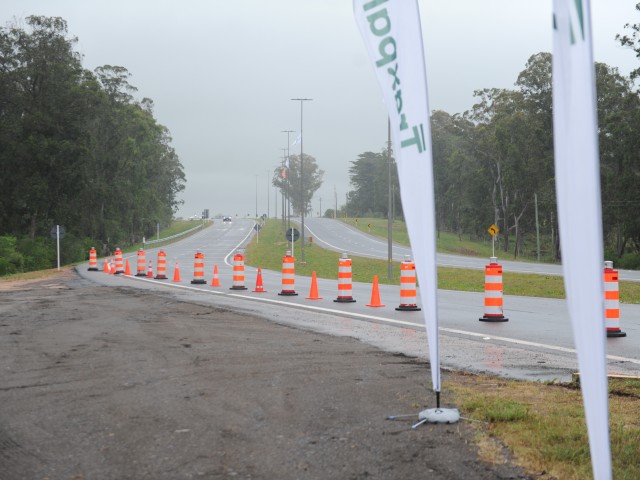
(259, 286)
(176, 273)
(215, 282)
(149, 271)
(375, 294)
(112, 267)
(106, 268)
(127, 268)
(313, 293)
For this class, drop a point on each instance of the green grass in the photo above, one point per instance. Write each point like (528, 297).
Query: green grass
(176, 226)
(268, 252)
(544, 427)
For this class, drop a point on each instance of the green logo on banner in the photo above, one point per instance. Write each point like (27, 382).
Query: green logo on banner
(578, 14)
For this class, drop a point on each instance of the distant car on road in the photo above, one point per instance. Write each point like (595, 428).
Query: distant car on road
(226, 219)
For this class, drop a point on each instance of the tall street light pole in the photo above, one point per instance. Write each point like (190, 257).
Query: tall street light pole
(285, 192)
(302, 203)
(287, 179)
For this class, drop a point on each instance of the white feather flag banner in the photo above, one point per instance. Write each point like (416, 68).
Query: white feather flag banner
(393, 38)
(579, 213)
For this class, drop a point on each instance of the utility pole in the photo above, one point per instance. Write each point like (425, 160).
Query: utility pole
(302, 202)
(535, 198)
(389, 206)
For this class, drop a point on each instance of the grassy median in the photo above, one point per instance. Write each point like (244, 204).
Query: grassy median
(540, 426)
(267, 253)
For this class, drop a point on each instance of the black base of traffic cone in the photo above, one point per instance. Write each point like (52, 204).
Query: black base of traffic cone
(497, 318)
(408, 308)
(345, 300)
(160, 277)
(199, 282)
(288, 293)
(615, 333)
(237, 287)
(141, 274)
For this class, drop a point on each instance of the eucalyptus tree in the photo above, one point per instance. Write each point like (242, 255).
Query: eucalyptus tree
(43, 112)
(619, 137)
(631, 40)
(300, 195)
(75, 147)
(460, 194)
(368, 174)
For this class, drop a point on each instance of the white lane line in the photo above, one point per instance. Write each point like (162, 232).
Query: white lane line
(533, 344)
(387, 320)
(234, 249)
(340, 249)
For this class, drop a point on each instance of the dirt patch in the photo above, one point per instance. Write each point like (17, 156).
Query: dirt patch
(119, 383)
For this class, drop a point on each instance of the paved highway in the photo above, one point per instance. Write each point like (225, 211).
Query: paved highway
(536, 343)
(341, 237)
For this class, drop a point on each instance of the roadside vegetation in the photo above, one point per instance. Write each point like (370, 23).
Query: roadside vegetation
(271, 246)
(493, 164)
(24, 258)
(539, 426)
(76, 150)
(542, 426)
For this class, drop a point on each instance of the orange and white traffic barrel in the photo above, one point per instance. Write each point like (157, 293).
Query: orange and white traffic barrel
(288, 275)
(408, 282)
(119, 262)
(612, 301)
(198, 269)
(238, 272)
(161, 269)
(142, 263)
(93, 260)
(493, 302)
(345, 280)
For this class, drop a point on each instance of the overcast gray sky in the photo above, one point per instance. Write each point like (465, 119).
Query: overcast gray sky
(222, 73)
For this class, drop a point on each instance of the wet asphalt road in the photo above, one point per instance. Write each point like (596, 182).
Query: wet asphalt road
(536, 343)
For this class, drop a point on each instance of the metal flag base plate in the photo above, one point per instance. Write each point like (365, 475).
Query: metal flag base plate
(440, 415)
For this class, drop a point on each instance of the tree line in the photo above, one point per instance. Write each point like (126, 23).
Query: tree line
(493, 164)
(76, 148)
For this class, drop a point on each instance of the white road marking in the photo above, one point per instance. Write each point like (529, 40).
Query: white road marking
(385, 320)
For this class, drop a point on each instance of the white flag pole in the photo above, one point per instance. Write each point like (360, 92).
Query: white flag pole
(393, 38)
(579, 213)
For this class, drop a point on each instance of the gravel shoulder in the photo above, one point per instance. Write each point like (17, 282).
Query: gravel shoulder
(119, 383)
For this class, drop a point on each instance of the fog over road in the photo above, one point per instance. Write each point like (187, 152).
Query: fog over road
(536, 343)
